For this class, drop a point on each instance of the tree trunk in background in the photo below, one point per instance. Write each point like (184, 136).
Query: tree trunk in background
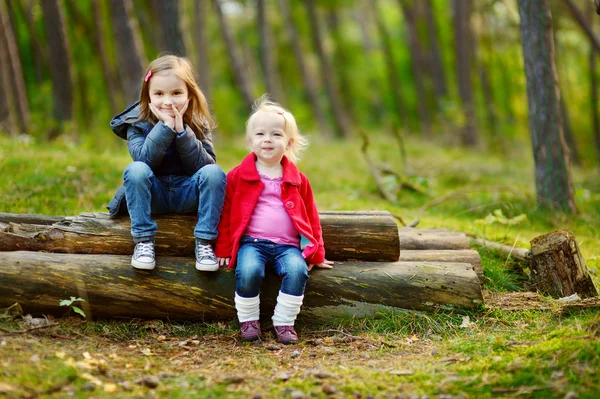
(437, 63)
(363, 15)
(239, 72)
(38, 53)
(392, 71)
(463, 48)
(8, 117)
(203, 64)
(486, 89)
(168, 15)
(18, 92)
(129, 49)
(340, 58)
(266, 54)
(309, 83)
(568, 132)
(110, 79)
(408, 10)
(554, 186)
(342, 124)
(60, 64)
(594, 89)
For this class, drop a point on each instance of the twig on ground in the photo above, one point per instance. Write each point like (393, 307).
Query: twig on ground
(8, 332)
(463, 192)
(521, 254)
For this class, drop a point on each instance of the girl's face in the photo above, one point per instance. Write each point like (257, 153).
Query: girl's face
(167, 89)
(267, 138)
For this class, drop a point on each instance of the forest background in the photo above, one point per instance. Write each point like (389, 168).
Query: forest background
(439, 89)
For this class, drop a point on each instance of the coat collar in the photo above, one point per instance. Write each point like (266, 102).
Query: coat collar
(248, 171)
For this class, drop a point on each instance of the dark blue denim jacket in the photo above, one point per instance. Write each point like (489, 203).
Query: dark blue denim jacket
(161, 148)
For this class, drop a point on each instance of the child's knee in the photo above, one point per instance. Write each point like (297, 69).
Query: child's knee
(213, 174)
(137, 171)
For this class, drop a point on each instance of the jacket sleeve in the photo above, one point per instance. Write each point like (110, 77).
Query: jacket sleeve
(195, 153)
(150, 149)
(224, 246)
(314, 219)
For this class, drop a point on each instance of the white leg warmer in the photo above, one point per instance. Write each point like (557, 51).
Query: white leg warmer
(248, 309)
(286, 310)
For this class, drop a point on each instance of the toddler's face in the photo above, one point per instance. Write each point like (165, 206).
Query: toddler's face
(267, 137)
(167, 89)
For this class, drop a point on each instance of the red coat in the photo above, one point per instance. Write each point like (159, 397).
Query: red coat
(243, 189)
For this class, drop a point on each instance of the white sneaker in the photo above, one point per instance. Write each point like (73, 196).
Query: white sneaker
(143, 256)
(206, 261)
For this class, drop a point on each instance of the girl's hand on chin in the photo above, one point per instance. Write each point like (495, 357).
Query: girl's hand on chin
(179, 116)
(161, 116)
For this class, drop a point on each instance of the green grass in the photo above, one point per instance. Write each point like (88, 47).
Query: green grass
(517, 353)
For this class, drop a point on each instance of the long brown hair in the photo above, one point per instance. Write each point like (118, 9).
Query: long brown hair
(197, 116)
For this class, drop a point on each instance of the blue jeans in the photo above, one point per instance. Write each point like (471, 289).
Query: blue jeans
(148, 194)
(255, 255)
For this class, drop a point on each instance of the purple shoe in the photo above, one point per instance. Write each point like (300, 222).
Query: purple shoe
(250, 330)
(286, 334)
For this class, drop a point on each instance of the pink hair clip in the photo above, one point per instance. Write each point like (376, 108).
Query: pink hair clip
(280, 112)
(148, 75)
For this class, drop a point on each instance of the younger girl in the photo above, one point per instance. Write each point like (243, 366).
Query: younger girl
(270, 219)
(168, 132)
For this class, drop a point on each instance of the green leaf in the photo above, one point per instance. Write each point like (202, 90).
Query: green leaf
(77, 310)
(66, 302)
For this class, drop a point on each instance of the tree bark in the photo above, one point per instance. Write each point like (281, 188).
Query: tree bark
(309, 83)
(463, 51)
(340, 117)
(554, 185)
(364, 236)
(129, 48)
(266, 53)
(453, 256)
(437, 64)
(431, 239)
(60, 63)
(16, 82)
(113, 90)
(38, 52)
(416, 62)
(200, 29)
(174, 290)
(594, 89)
(168, 15)
(239, 72)
(392, 71)
(557, 267)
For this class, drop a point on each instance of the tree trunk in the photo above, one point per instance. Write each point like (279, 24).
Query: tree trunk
(266, 53)
(463, 50)
(113, 89)
(557, 267)
(18, 92)
(129, 49)
(8, 117)
(38, 52)
(453, 256)
(437, 64)
(342, 123)
(175, 291)
(309, 83)
(554, 186)
(60, 63)
(239, 72)
(392, 71)
(168, 15)
(594, 89)
(344, 63)
(431, 239)
(364, 236)
(416, 62)
(203, 63)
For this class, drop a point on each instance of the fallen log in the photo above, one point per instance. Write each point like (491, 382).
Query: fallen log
(461, 256)
(558, 268)
(420, 239)
(175, 290)
(356, 235)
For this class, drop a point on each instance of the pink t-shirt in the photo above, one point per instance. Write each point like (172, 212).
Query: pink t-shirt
(270, 220)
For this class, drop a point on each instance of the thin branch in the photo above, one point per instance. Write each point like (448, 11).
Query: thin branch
(374, 170)
(463, 192)
(583, 23)
(521, 254)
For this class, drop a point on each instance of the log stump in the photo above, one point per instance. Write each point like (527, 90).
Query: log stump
(557, 267)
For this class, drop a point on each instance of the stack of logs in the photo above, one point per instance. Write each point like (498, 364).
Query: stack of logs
(45, 259)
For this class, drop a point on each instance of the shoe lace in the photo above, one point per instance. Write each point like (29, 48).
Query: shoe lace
(205, 250)
(144, 249)
(249, 325)
(286, 330)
